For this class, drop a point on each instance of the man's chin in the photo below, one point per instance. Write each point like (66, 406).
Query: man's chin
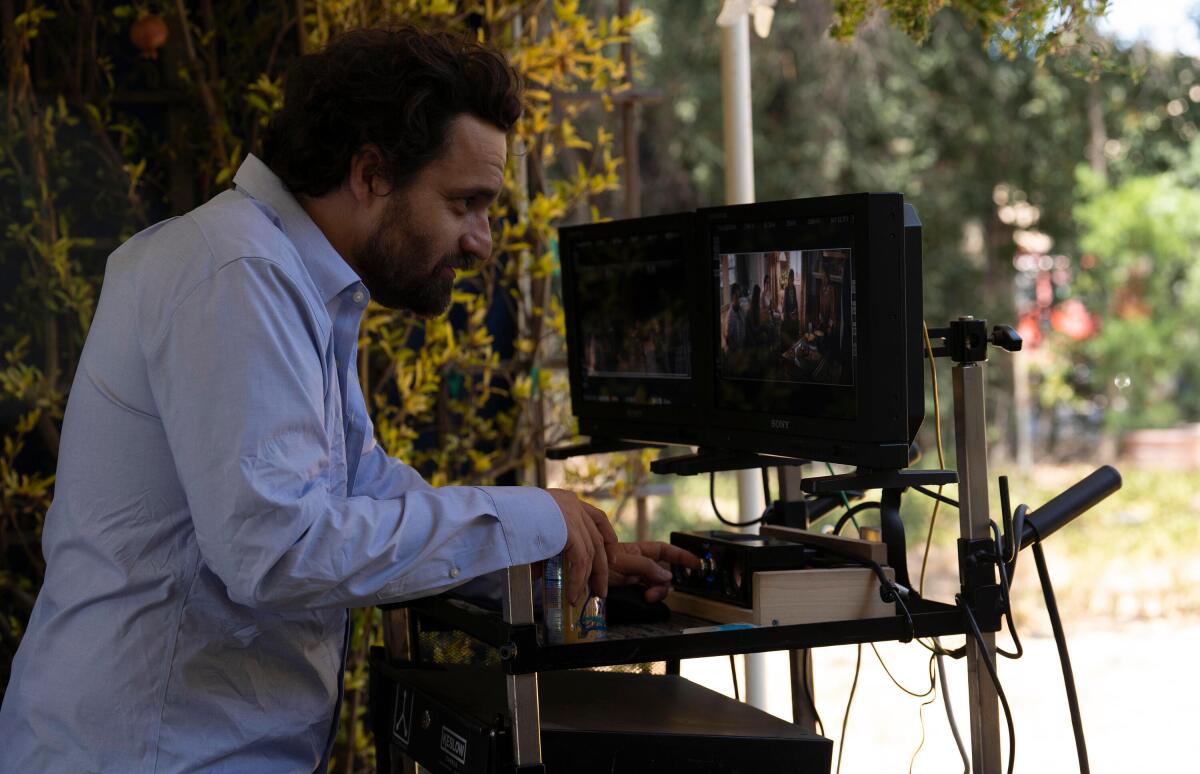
(425, 307)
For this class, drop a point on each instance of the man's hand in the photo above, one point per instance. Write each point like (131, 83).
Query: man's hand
(638, 563)
(589, 539)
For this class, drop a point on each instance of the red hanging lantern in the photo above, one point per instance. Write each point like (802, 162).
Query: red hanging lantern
(149, 33)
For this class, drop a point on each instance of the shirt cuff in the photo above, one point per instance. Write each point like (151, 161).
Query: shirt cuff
(533, 525)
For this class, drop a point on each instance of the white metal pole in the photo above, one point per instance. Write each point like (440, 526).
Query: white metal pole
(735, 104)
(739, 189)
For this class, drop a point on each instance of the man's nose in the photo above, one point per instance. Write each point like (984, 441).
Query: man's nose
(477, 241)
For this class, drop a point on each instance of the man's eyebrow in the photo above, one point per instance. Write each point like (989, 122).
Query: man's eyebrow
(484, 191)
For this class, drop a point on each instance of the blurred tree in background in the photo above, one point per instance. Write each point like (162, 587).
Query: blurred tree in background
(987, 141)
(1146, 354)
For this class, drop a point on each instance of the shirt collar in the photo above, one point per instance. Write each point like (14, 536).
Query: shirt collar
(328, 270)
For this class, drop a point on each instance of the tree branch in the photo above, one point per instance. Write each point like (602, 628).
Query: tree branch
(202, 85)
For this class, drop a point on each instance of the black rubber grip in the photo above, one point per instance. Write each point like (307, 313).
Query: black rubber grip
(1072, 502)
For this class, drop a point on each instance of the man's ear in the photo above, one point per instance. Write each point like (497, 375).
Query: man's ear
(367, 180)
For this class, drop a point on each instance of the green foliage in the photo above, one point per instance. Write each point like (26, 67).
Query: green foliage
(98, 143)
(66, 164)
(1145, 234)
(1040, 28)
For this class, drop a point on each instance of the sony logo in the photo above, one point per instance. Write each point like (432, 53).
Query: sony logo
(780, 424)
(454, 745)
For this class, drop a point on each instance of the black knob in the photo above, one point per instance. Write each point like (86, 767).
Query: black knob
(1006, 337)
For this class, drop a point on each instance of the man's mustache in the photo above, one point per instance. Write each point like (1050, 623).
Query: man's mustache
(459, 261)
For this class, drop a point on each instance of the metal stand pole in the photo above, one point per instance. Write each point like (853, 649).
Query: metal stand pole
(522, 690)
(800, 666)
(971, 442)
(804, 712)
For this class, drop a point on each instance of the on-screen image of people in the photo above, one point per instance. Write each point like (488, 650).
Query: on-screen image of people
(791, 307)
(769, 296)
(754, 325)
(735, 326)
(827, 307)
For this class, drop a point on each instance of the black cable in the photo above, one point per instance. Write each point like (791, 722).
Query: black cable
(888, 672)
(991, 670)
(896, 592)
(1060, 639)
(846, 717)
(766, 477)
(712, 497)
(733, 674)
(898, 598)
(849, 514)
(930, 493)
(937, 650)
(1005, 584)
(1004, 591)
(1006, 511)
(1018, 528)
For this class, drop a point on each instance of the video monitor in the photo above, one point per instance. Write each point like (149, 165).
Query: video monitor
(815, 327)
(628, 291)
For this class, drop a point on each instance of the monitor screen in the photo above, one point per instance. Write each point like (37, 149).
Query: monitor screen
(628, 292)
(633, 319)
(785, 330)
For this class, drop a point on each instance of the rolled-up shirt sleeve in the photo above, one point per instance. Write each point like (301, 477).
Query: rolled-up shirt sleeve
(239, 378)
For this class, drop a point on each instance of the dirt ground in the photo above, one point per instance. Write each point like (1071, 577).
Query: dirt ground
(1137, 683)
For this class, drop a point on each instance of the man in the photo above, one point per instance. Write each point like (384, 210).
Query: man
(769, 294)
(220, 499)
(791, 308)
(735, 325)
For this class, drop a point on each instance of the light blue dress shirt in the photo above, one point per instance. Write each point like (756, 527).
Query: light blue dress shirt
(221, 501)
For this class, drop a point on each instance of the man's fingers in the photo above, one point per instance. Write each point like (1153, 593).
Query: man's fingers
(645, 568)
(657, 593)
(600, 519)
(599, 574)
(665, 552)
(579, 564)
(589, 540)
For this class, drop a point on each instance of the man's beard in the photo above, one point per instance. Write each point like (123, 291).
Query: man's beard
(391, 261)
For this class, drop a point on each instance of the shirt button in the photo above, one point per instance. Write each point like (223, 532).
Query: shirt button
(358, 296)
(453, 572)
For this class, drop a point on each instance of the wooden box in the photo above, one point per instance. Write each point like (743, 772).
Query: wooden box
(787, 597)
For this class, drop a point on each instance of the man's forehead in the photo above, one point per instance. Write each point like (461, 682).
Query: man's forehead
(477, 149)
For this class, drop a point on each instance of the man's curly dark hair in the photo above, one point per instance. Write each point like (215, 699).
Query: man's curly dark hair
(397, 88)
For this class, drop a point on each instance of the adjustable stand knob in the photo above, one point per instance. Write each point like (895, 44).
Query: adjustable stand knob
(1006, 337)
